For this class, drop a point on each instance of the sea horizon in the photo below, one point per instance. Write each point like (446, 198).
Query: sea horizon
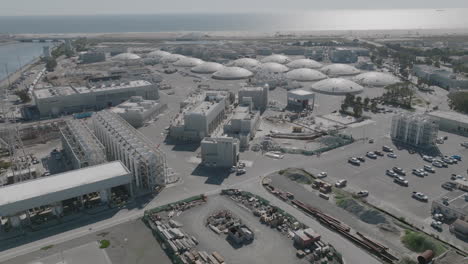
(315, 20)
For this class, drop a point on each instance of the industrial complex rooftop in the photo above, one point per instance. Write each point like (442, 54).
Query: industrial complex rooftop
(42, 191)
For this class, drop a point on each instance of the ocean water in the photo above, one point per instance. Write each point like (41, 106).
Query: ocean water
(14, 56)
(359, 19)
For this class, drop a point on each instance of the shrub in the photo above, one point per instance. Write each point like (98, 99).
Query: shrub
(104, 243)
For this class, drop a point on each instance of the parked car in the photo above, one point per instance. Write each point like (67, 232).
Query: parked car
(371, 155)
(361, 159)
(371, 140)
(341, 183)
(363, 193)
(420, 196)
(387, 149)
(322, 175)
(457, 177)
(428, 158)
(354, 161)
(391, 173)
(456, 157)
(437, 164)
(399, 171)
(392, 155)
(378, 153)
(449, 186)
(429, 168)
(401, 180)
(240, 171)
(419, 172)
(437, 225)
(447, 160)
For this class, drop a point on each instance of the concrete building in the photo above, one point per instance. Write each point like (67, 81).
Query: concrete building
(415, 130)
(123, 142)
(452, 122)
(454, 205)
(343, 55)
(92, 57)
(81, 146)
(440, 76)
(23, 198)
(259, 96)
(300, 99)
(46, 52)
(56, 101)
(243, 124)
(200, 116)
(136, 111)
(220, 152)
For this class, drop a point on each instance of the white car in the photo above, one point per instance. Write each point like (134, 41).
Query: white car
(429, 168)
(401, 180)
(436, 225)
(391, 173)
(420, 196)
(428, 158)
(322, 175)
(437, 164)
(419, 172)
(341, 183)
(371, 155)
(392, 155)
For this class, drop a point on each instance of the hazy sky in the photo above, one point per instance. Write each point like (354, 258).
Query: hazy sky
(80, 7)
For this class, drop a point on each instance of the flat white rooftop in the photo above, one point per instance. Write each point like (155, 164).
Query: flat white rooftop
(450, 116)
(47, 190)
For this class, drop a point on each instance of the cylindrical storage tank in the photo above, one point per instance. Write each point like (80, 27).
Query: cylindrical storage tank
(426, 257)
(232, 73)
(207, 68)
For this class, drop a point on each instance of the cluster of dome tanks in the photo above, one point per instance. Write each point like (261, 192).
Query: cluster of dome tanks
(333, 79)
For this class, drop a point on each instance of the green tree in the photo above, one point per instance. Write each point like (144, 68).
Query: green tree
(51, 64)
(349, 99)
(358, 100)
(373, 106)
(459, 101)
(437, 64)
(357, 110)
(344, 107)
(23, 95)
(366, 101)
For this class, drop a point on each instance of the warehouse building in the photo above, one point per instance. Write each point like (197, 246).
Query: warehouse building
(123, 142)
(200, 117)
(415, 130)
(136, 111)
(440, 76)
(25, 198)
(220, 152)
(81, 146)
(259, 96)
(452, 122)
(92, 57)
(244, 123)
(56, 101)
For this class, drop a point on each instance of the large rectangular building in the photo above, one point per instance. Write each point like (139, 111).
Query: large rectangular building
(19, 198)
(137, 110)
(56, 101)
(440, 76)
(123, 142)
(201, 118)
(81, 146)
(452, 122)
(415, 130)
(258, 95)
(220, 152)
(243, 125)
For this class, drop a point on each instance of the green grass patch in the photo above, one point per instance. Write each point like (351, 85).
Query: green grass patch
(104, 243)
(419, 242)
(298, 175)
(47, 247)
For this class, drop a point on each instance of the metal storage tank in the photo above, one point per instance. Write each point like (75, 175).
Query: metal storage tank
(339, 70)
(207, 67)
(376, 79)
(336, 86)
(273, 67)
(305, 75)
(188, 62)
(232, 73)
(277, 58)
(304, 63)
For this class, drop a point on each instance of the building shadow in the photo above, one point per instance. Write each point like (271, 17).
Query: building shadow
(215, 176)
